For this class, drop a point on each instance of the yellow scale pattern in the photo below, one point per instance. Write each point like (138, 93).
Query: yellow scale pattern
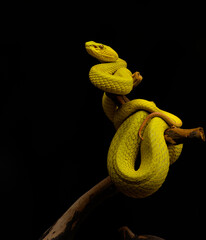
(112, 76)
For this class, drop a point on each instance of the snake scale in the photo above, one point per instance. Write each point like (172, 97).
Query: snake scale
(112, 76)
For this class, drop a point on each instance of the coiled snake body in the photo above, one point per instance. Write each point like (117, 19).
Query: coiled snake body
(112, 76)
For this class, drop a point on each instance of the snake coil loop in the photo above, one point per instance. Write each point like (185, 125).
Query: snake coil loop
(112, 76)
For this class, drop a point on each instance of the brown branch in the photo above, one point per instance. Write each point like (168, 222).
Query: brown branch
(118, 99)
(127, 234)
(179, 135)
(68, 223)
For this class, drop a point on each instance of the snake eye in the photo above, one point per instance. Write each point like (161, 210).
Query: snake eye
(101, 46)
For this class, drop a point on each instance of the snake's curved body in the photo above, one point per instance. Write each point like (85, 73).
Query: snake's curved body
(102, 76)
(156, 156)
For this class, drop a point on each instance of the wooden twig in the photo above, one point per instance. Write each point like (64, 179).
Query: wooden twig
(179, 135)
(67, 225)
(127, 234)
(118, 99)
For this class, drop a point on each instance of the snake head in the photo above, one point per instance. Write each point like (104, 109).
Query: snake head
(100, 51)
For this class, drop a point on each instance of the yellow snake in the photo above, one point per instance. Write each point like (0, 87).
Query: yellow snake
(112, 76)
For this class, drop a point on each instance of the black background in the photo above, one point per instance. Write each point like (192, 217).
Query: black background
(55, 136)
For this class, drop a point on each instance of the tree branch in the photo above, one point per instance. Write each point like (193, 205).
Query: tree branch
(68, 223)
(179, 135)
(127, 234)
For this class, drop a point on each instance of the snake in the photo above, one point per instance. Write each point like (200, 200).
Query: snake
(139, 124)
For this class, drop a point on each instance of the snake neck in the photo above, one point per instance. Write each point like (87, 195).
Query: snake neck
(109, 68)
